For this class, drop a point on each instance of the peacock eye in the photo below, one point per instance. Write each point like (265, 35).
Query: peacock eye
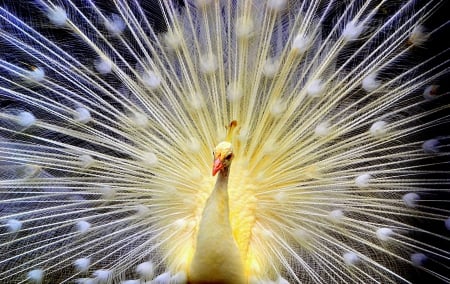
(228, 156)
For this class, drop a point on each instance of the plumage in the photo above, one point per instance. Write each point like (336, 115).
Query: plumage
(336, 172)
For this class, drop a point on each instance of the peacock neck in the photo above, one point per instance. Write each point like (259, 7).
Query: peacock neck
(217, 258)
(219, 200)
(217, 207)
(221, 192)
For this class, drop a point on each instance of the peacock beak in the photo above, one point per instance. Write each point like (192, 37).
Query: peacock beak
(218, 165)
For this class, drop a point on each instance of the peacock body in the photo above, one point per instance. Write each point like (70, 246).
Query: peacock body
(110, 113)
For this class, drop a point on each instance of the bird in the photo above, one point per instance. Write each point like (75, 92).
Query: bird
(212, 141)
(216, 247)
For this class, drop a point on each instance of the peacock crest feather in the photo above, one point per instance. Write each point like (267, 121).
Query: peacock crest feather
(110, 113)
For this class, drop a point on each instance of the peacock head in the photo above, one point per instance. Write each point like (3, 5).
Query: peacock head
(223, 155)
(223, 152)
